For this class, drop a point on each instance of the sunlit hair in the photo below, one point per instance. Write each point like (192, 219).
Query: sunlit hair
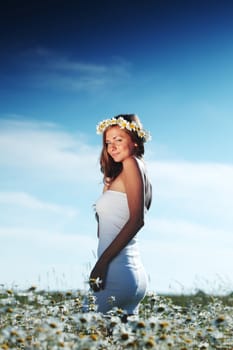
(108, 166)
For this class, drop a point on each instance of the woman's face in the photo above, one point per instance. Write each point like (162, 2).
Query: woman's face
(119, 144)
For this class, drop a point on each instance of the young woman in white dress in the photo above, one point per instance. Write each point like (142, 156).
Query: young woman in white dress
(118, 278)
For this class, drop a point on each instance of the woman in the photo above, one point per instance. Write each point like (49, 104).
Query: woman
(118, 277)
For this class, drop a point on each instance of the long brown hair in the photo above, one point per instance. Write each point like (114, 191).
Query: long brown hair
(108, 166)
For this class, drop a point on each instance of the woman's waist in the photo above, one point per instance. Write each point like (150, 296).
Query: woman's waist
(130, 251)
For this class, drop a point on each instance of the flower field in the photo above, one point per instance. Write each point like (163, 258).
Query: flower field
(34, 319)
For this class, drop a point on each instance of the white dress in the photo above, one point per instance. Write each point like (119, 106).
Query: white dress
(126, 280)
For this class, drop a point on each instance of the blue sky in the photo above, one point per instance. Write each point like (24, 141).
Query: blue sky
(65, 66)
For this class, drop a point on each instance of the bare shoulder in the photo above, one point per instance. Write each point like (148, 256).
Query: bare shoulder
(130, 162)
(130, 165)
(132, 180)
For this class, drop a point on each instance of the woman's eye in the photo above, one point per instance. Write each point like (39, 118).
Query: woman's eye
(108, 143)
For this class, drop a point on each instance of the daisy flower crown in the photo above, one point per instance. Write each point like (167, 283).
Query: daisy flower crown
(123, 124)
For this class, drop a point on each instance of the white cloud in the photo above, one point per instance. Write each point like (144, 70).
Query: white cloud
(186, 254)
(28, 201)
(185, 177)
(73, 66)
(35, 145)
(48, 258)
(185, 233)
(43, 147)
(203, 189)
(63, 72)
(48, 239)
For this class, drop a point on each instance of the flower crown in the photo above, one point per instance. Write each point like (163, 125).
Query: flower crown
(123, 124)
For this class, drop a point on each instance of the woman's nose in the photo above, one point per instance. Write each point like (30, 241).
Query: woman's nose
(113, 145)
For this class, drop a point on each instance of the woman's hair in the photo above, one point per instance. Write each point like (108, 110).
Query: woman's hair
(108, 166)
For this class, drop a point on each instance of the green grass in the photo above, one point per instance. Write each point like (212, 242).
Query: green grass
(200, 298)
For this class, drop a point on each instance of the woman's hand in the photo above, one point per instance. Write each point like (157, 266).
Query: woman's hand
(98, 276)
